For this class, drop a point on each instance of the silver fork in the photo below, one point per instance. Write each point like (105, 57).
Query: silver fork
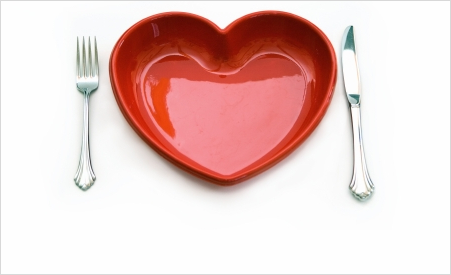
(87, 82)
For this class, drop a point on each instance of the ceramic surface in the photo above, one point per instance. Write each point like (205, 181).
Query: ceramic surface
(223, 105)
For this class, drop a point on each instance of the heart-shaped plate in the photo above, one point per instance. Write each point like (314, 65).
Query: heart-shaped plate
(223, 104)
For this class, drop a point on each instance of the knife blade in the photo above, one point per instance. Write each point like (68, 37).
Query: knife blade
(361, 184)
(351, 75)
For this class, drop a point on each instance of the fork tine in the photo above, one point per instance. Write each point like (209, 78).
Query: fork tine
(89, 68)
(78, 59)
(84, 58)
(96, 59)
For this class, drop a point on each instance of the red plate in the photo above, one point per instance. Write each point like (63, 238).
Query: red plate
(223, 105)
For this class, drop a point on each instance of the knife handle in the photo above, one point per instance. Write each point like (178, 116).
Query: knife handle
(361, 185)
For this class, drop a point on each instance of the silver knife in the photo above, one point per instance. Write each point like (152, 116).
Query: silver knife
(361, 185)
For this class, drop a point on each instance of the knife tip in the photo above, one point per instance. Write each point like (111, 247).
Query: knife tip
(348, 39)
(349, 28)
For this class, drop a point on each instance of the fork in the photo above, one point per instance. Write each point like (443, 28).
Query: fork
(87, 82)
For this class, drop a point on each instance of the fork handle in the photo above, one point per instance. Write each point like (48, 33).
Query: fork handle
(85, 177)
(361, 185)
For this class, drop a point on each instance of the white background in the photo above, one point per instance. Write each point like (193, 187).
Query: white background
(143, 215)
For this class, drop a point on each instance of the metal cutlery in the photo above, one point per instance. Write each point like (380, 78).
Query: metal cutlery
(87, 80)
(361, 185)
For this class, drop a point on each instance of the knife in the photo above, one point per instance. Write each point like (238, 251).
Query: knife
(361, 185)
